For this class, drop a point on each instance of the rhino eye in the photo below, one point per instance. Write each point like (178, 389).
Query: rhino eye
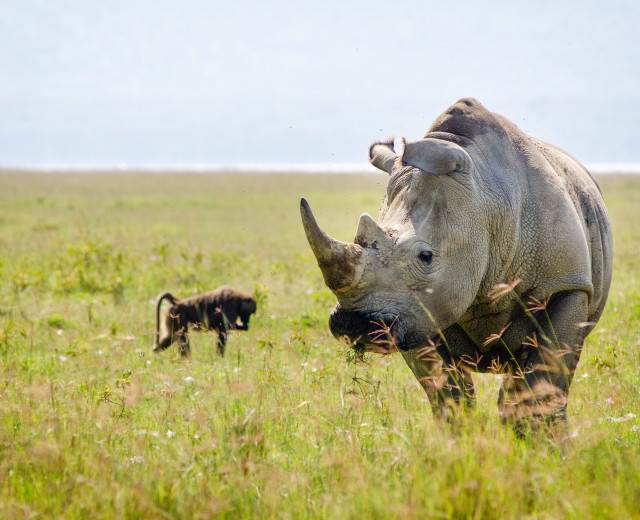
(425, 256)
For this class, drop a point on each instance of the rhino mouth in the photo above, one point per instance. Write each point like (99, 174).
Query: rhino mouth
(382, 333)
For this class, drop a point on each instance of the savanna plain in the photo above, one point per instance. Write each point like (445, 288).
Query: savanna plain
(286, 425)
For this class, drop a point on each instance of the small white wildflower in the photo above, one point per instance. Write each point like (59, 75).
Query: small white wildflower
(585, 376)
(100, 352)
(620, 419)
(236, 370)
(63, 358)
(137, 459)
(575, 433)
(196, 436)
(148, 361)
(189, 379)
(635, 428)
(304, 364)
(59, 332)
(609, 400)
(170, 433)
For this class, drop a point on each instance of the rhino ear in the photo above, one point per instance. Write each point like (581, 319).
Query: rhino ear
(382, 155)
(435, 156)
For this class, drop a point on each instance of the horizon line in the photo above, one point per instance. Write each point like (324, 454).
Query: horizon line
(360, 167)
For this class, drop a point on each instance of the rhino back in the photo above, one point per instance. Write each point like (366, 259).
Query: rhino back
(549, 225)
(587, 200)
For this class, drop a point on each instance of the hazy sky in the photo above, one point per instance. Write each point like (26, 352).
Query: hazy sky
(195, 82)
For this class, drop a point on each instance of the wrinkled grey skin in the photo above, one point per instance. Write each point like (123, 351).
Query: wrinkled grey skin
(475, 204)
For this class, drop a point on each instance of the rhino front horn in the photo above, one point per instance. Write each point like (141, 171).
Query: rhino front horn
(337, 260)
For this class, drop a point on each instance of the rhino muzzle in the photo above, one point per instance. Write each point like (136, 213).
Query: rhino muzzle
(380, 333)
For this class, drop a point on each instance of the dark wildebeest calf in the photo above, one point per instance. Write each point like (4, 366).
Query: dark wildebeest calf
(217, 310)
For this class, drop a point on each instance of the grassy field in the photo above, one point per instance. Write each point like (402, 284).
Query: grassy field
(92, 425)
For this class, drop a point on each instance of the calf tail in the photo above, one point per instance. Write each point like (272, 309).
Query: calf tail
(163, 296)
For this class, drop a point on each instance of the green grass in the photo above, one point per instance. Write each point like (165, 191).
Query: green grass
(92, 425)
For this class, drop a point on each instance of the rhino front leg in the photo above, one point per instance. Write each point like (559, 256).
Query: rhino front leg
(448, 385)
(538, 391)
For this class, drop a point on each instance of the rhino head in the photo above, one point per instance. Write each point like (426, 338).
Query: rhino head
(418, 269)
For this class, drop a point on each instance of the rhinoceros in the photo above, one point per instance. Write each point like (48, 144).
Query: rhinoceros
(492, 253)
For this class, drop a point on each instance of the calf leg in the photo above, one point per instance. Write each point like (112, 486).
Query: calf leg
(167, 334)
(184, 348)
(222, 339)
(163, 343)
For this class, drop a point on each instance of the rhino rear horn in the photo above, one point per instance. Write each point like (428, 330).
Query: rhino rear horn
(338, 261)
(370, 234)
(435, 156)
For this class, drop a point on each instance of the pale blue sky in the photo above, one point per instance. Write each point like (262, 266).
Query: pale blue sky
(194, 82)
